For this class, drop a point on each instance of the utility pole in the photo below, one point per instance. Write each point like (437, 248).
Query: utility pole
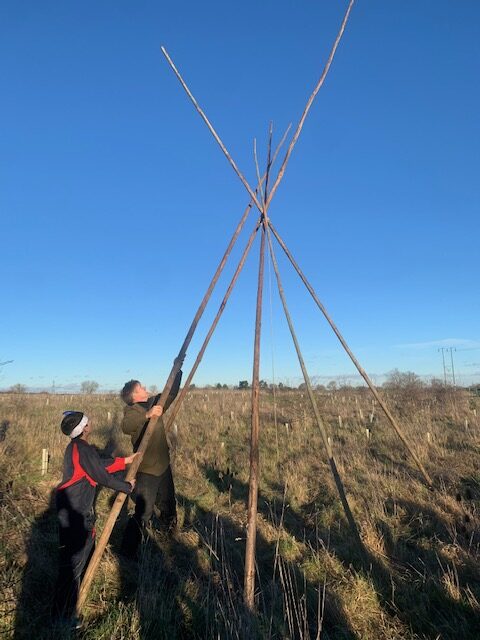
(452, 349)
(445, 368)
(443, 349)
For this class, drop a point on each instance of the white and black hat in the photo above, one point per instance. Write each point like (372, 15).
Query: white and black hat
(73, 423)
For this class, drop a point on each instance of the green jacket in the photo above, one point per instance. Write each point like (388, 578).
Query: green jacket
(157, 456)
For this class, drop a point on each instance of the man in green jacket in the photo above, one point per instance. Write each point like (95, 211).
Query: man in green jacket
(154, 478)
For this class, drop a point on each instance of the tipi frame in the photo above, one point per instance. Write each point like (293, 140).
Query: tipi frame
(261, 198)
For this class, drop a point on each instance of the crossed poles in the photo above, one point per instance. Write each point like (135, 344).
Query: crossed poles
(261, 198)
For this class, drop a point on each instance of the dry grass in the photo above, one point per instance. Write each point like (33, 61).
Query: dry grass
(417, 578)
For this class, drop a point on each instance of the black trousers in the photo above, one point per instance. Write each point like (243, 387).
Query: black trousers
(149, 491)
(75, 550)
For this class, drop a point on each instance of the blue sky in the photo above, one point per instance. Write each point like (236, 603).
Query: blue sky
(116, 204)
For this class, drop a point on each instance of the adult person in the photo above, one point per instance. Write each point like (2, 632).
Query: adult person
(154, 478)
(83, 470)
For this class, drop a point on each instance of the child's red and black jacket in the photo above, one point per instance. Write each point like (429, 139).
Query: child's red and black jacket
(83, 470)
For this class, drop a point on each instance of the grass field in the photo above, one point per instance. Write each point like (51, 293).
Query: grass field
(418, 576)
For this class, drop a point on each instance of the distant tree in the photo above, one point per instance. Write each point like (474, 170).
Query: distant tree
(18, 388)
(224, 386)
(89, 386)
(263, 384)
(406, 380)
(302, 386)
(218, 385)
(405, 388)
(332, 385)
(193, 386)
(243, 384)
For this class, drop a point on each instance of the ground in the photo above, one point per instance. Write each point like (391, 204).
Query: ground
(414, 575)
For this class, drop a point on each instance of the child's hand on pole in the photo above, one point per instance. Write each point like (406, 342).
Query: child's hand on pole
(130, 459)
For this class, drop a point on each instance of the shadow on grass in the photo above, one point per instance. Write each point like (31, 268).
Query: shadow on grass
(422, 582)
(429, 586)
(177, 587)
(34, 604)
(288, 604)
(190, 585)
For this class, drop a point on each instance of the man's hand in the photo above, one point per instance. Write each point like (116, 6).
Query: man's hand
(130, 459)
(132, 482)
(154, 411)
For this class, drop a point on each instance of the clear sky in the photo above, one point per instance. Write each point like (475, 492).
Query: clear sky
(116, 203)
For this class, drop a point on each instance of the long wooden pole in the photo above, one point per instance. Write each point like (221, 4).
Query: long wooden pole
(306, 377)
(249, 580)
(357, 364)
(211, 129)
(310, 102)
(121, 497)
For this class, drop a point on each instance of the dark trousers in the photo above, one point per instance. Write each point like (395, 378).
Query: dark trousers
(76, 547)
(150, 491)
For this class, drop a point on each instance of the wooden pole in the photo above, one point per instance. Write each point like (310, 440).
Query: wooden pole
(249, 585)
(310, 102)
(120, 499)
(212, 130)
(249, 582)
(306, 377)
(360, 369)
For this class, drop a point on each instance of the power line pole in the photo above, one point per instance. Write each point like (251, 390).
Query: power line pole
(452, 349)
(443, 349)
(446, 371)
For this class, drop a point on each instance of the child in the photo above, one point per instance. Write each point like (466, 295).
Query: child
(83, 469)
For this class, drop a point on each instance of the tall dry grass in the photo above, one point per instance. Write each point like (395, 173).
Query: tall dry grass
(418, 576)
